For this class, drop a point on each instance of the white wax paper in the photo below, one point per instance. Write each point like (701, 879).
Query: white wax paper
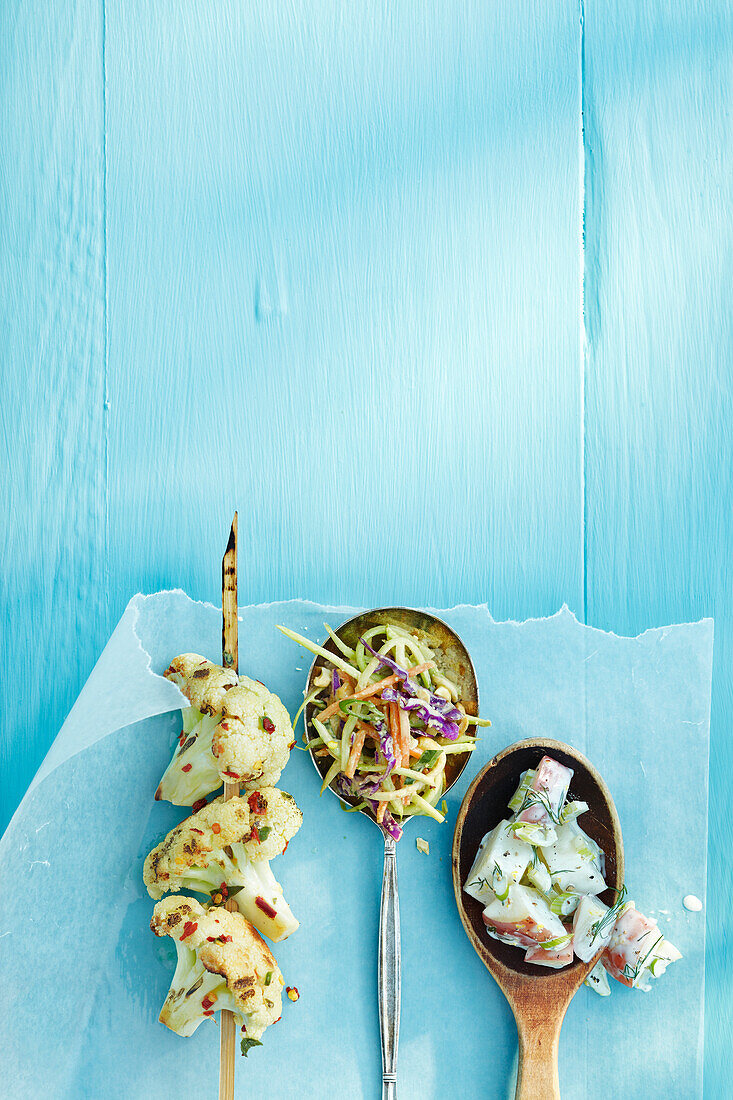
(82, 978)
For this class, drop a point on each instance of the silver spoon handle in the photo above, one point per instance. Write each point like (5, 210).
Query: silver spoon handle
(389, 970)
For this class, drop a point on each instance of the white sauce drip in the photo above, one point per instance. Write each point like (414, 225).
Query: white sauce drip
(692, 903)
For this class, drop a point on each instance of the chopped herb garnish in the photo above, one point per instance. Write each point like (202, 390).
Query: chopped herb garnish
(427, 759)
(538, 798)
(247, 1044)
(351, 809)
(633, 972)
(608, 919)
(268, 977)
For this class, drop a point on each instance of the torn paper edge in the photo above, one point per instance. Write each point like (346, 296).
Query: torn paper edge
(108, 700)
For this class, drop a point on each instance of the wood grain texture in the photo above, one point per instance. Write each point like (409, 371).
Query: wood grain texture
(53, 594)
(344, 244)
(659, 385)
(329, 255)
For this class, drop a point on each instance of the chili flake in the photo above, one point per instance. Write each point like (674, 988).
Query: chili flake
(265, 907)
(186, 767)
(188, 929)
(199, 805)
(216, 827)
(268, 724)
(292, 992)
(257, 803)
(208, 1000)
(234, 775)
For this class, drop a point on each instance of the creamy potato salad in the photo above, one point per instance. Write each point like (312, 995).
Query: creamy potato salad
(538, 876)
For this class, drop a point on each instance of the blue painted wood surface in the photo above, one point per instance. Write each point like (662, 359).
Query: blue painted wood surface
(342, 245)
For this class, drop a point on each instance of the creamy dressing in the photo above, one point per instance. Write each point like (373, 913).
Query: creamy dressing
(692, 903)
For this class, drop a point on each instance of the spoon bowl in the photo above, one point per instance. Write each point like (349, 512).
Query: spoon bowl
(537, 995)
(451, 656)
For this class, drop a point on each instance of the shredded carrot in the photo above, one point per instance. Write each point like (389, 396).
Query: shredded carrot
(404, 724)
(355, 753)
(381, 810)
(372, 689)
(321, 752)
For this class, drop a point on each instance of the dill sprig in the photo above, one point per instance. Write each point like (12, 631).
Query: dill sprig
(633, 972)
(539, 798)
(609, 918)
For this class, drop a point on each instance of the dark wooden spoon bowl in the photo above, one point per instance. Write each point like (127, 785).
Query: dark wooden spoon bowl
(538, 996)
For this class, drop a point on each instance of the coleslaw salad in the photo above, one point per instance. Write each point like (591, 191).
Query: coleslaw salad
(389, 719)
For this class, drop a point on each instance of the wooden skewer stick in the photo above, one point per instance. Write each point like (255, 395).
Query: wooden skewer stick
(230, 659)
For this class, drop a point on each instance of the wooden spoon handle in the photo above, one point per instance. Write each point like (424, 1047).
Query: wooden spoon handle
(537, 1075)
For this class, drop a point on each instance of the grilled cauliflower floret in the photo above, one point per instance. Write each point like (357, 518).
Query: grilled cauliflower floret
(224, 851)
(204, 684)
(277, 817)
(234, 731)
(222, 964)
(252, 741)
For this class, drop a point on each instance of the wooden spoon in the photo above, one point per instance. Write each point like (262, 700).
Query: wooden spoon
(538, 996)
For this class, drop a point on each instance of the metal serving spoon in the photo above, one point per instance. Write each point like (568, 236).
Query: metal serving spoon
(452, 658)
(538, 997)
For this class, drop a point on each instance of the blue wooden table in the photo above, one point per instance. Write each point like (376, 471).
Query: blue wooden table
(437, 295)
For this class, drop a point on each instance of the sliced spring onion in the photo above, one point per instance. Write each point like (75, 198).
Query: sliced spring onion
(352, 809)
(558, 942)
(427, 759)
